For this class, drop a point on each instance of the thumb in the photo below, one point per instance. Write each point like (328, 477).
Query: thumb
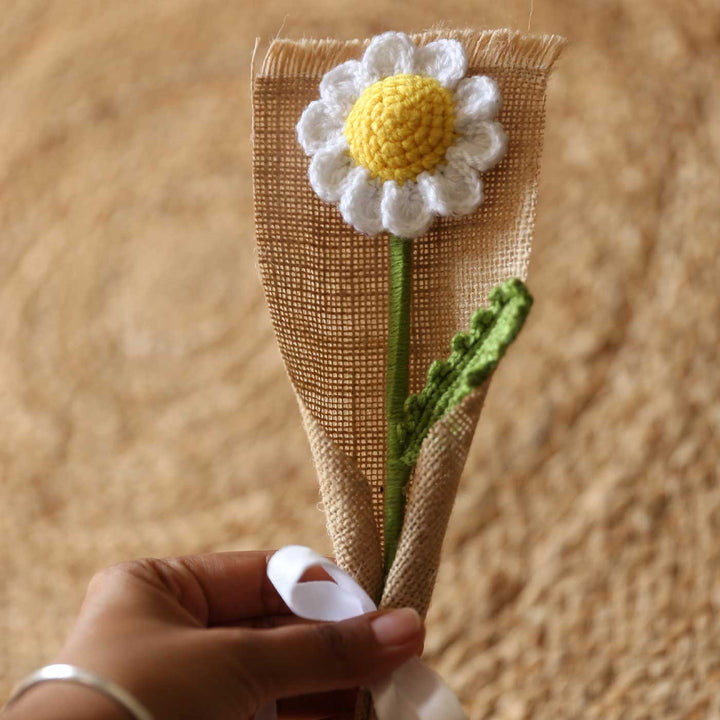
(301, 659)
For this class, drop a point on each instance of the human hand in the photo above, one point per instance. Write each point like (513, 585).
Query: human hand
(208, 638)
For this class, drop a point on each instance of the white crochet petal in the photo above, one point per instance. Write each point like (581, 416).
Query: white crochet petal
(317, 127)
(453, 189)
(329, 170)
(341, 87)
(476, 98)
(482, 145)
(444, 60)
(392, 53)
(360, 202)
(405, 210)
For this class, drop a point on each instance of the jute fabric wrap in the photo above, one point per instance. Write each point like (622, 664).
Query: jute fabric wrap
(327, 290)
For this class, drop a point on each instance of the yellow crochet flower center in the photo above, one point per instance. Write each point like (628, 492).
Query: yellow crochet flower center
(401, 126)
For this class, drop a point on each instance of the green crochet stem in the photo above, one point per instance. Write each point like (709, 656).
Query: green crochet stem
(398, 360)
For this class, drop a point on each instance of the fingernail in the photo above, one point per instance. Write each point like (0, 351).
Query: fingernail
(396, 627)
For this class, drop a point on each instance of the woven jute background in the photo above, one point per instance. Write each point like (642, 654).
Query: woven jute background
(145, 409)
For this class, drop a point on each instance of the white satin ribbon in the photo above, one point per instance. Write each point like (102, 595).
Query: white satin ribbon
(412, 692)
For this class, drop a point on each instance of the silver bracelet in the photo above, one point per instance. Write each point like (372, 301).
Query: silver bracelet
(72, 674)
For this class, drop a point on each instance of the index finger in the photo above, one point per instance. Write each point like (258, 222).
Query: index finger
(222, 588)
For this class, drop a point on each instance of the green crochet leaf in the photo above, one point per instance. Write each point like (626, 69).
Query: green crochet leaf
(474, 357)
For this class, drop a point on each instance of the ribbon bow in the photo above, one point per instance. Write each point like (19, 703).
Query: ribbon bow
(412, 692)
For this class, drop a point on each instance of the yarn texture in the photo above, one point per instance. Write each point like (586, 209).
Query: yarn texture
(400, 136)
(475, 355)
(397, 473)
(401, 126)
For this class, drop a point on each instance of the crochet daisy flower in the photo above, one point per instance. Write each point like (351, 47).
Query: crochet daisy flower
(401, 136)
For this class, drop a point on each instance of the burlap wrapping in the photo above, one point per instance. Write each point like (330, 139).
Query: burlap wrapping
(347, 499)
(327, 289)
(429, 502)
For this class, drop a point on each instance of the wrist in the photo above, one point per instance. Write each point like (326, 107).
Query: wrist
(63, 701)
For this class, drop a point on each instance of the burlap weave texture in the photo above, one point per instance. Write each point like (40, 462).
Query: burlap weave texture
(327, 289)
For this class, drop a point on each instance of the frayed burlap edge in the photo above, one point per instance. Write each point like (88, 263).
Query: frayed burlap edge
(507, 48)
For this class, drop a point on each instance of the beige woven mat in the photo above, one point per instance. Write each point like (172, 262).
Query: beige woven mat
(144, 407)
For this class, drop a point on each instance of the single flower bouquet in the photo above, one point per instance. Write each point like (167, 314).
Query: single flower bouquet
(395, 185)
